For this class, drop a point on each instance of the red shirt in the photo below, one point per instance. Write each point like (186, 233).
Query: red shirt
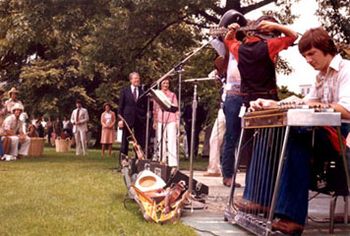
(275, 45)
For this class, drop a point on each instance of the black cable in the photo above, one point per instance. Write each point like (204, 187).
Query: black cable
(204, 231)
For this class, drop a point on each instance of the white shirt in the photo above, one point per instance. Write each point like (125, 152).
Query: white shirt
(137, 91)
(13, 124)
(65, 124)
(233, 80)
(334, 85)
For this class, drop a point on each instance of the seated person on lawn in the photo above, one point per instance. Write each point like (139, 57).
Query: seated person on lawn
(13, 129)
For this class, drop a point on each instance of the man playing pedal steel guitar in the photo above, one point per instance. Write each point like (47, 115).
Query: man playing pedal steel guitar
(331, 88)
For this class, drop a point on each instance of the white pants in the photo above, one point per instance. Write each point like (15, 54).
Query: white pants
(24, 148)
(169, 143)
(216, 140)
(80, 142)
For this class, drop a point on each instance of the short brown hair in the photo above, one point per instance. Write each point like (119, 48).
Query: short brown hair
(317, 38)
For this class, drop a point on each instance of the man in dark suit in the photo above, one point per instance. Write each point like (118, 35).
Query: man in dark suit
(133, 109)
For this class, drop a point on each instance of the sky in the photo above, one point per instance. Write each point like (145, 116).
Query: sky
(302, 73)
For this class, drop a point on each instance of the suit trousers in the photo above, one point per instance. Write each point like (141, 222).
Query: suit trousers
(80, 142)
(169, 143)
(216, 140)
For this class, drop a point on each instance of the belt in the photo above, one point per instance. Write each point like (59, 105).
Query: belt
(233, 92)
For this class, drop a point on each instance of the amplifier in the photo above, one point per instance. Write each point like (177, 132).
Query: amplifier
(198, 188)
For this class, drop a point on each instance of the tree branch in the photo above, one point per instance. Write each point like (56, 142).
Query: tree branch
(208, 17)
(196, 24)
(218, 10)
(233, 4)
(255, 6)
(156, 35)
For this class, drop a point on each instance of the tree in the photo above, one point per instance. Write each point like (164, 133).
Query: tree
(55, 51)
(335, 17)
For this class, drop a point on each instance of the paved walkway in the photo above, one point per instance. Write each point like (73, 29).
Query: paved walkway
(210, 221)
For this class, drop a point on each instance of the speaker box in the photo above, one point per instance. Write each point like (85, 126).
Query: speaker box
(198, 188)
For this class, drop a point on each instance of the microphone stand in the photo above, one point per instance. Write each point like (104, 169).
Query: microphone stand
(147, 126)
(179, 71)
(193, 126)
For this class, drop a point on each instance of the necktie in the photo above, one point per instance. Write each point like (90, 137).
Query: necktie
(77, 118)
(135, 94)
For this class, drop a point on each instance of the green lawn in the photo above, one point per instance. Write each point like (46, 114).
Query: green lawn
(61, 194)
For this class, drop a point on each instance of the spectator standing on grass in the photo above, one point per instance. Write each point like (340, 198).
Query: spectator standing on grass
(57, 127)
(49, 129)
(108, 129)
(67, 127)
(79, 119)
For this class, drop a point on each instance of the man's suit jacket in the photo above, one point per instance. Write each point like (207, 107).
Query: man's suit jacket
(132, 111)
(83, 120)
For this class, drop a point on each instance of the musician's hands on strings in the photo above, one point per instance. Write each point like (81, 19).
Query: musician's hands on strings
(232, 31)
(261, 104)
(268, 26)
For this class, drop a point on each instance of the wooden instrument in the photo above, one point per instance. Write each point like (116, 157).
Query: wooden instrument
(242, 31)
(138, 150)
(221, 64)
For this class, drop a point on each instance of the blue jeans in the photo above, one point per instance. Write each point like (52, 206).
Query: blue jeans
(1, 148)
(232, 106)
(292, 201)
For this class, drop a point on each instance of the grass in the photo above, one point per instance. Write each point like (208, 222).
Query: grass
(61, 194)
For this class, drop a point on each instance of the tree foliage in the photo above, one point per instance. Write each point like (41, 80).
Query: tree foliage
(335, 17)
(56, 51)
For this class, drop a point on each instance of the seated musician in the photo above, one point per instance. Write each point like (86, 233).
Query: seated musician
(331, 88)
(13, 129)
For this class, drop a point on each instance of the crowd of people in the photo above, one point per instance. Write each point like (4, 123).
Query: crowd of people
(16, 127)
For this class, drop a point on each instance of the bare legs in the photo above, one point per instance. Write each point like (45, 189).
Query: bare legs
(109, 150)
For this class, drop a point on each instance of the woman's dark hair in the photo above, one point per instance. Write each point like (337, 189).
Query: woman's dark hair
(106, 104)
(317, 38)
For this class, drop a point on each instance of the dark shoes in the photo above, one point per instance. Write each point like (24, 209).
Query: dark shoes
(249, 206)
(287, 227)
(228, 181)
(283, 225)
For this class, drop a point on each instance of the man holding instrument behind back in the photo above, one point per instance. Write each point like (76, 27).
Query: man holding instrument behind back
(255, 59)
(331, 88)
(256, 56)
